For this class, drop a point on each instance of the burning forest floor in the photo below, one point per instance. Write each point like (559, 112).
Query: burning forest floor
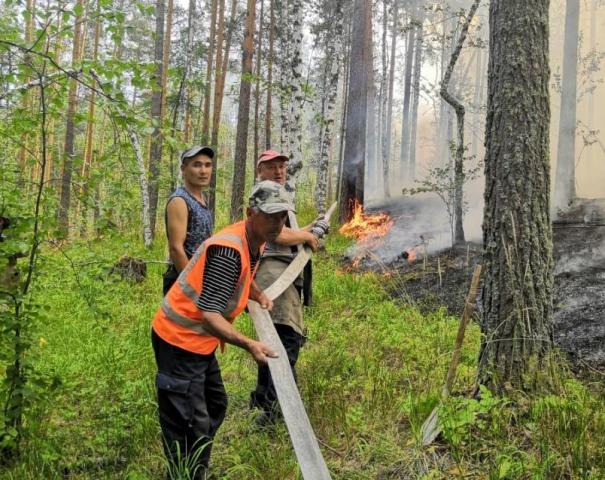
(435, 276)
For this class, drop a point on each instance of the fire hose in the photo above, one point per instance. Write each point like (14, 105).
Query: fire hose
(306, 447)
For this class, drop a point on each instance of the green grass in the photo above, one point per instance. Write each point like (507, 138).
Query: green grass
(369, 375)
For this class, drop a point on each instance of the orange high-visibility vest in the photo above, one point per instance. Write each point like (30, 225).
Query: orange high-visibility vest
(179, 321)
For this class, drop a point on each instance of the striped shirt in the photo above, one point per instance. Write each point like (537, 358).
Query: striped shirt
(221, 272)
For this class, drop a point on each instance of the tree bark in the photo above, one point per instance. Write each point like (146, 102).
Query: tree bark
(333, 52)
(565, 181)
(155, 147)
(219, 91)
(296, 16)
(243, 114)
(69, 151)
(207, 89)
(415, 99)
(517, 235)
(90, 123)
(405, 114)
(258, 61)
(268, 108)
(353, 168)
(386, 146)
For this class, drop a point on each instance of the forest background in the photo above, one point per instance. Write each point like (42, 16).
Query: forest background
(97, 100)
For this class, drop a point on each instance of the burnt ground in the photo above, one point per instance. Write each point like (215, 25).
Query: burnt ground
(579, 291)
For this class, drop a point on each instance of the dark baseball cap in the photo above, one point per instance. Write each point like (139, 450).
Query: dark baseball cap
(196, 150)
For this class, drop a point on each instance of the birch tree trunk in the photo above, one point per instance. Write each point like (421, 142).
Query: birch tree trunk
(333, 53)
(90, 123)
(69, 151)
(565, 180)
(296, 102)
(517, 234)
(243, 114)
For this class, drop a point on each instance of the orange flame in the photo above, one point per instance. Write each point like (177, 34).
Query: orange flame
(366, 228)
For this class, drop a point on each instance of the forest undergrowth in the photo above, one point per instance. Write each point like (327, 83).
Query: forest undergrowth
(369, 374)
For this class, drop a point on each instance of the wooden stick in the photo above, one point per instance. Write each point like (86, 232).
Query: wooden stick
(469, 306)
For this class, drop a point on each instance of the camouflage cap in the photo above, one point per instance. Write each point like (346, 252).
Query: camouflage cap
(270, 197)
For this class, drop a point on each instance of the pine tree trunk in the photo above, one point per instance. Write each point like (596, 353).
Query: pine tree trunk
(243, 114)
(517, 238)
(565, 181)
(353, 167)
(69, 151)
(372, 166)
(270, 56)
(258, 61)
(219, 91)
(386, 146)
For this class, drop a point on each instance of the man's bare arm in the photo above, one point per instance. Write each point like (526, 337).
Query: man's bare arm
(219, 327)
(176, 214)
(289, 237)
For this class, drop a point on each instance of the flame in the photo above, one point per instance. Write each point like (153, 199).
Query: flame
(366, 228)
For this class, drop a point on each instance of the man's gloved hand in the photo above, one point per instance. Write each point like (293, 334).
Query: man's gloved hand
(320, 228)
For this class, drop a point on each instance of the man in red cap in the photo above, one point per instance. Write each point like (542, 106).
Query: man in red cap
(287, 313)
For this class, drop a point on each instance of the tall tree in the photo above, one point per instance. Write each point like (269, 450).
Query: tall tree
(257, 74)
(411, 167)
(243, 116)
(90, 121)
(565, 180)
(353, 168)
(333, 52)
(386, 142)
(208, 79)
(460, 112)
(155, 147)
(405, 114)
(295, 16)
(219, 91)
(69, 151)
(268, 108)
(517, 235)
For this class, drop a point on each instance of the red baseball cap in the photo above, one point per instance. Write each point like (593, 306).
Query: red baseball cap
(269, 155)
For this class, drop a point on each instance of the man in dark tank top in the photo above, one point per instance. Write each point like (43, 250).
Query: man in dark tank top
(188, 220)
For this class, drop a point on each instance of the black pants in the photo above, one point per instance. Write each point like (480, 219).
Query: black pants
(265, 396)
(192, 403)
(169, 278)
